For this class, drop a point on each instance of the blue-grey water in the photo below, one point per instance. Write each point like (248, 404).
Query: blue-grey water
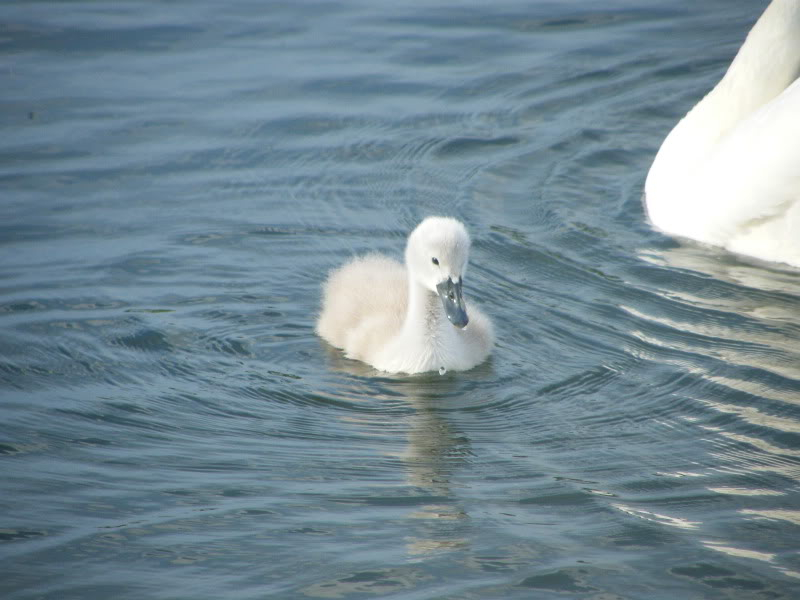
(176, 179)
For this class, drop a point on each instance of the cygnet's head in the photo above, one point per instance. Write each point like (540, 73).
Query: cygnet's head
(436, 256)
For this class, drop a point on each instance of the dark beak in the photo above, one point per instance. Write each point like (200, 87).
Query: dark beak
(453, 302)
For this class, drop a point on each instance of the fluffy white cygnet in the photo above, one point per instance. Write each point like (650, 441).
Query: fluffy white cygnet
(412, 318)
(729, 172)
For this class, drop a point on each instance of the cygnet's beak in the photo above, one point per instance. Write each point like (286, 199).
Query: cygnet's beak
(453, 302)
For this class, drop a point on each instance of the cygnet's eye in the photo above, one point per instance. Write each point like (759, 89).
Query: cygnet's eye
(435, 261)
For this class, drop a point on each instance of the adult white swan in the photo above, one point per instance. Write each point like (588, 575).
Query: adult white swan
(408, 319)
(729, 172)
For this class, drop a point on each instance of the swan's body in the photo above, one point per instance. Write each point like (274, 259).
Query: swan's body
(729, 173)
(412, 318)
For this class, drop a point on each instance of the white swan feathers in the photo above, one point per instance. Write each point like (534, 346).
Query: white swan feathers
(729, 172)
(412, 318)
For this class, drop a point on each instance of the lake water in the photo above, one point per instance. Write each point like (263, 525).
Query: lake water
(178, 177)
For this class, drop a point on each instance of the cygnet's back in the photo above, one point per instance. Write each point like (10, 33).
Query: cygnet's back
(364, 303)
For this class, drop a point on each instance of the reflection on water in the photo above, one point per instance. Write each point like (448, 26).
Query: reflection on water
(434, 453)
(658, 518)
(734, 326)
(714, 263)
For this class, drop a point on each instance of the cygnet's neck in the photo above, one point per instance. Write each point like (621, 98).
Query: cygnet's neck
(425, 321)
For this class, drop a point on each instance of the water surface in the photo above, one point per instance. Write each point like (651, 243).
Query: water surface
(177, 179)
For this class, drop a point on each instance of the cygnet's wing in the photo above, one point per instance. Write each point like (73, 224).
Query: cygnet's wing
(366, 288)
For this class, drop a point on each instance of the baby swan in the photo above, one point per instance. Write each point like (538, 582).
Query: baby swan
(408, 319)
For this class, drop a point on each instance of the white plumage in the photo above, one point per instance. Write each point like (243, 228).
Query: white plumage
(729, 172)
(412, 318)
